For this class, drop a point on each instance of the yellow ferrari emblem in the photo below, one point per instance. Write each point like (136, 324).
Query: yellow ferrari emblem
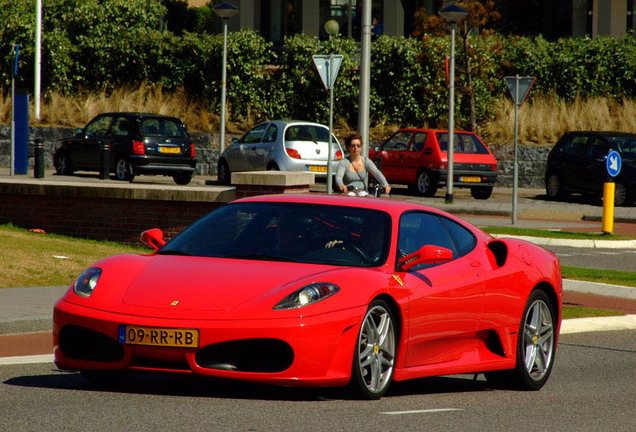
(535, 340)
(376, 349)
(398, 279)
(174, 303)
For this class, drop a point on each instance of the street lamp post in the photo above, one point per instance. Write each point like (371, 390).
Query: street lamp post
(452, 13)
(225, 11)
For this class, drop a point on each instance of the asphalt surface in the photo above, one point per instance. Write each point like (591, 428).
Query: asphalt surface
(28, 311)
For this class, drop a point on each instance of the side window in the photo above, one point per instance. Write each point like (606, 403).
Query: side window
(576, 146)
(398, 142)
(271, 134)
(419, 139)
(597, 148)
(463, 239)
(419, 229)
(99, 127)
(122, 127)
(255, 135)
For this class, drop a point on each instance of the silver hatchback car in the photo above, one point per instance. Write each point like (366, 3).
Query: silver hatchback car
(285, 145)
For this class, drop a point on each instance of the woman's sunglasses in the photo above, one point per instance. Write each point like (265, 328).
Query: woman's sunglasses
(355, 145)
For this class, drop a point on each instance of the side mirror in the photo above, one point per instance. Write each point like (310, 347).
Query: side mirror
(377, 148)
(79, 131)
(427, 254)
(234, 140)
(153, 238)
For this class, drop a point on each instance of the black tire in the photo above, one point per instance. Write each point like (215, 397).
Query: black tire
(481, 193)
(272, 167)
(621, 195)
(424, 184)
(183, 178)
(536, 346)
(374, 355)
(553, 186)
(123, 170)
(63, 164)
(224, 173)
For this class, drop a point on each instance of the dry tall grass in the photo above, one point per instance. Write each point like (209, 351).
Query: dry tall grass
(541, 119)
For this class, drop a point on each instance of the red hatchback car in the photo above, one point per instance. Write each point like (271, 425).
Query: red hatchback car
(418, 157)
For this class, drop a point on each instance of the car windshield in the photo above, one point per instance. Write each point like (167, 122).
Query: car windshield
(292, 232)
(626, 146)
(306, 133)
(463, 143)
(164, 127)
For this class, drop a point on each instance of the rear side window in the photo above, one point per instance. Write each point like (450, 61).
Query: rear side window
(575, 145)
(398, 142)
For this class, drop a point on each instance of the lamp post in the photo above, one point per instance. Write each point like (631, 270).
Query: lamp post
(225, 11)
(452, 13)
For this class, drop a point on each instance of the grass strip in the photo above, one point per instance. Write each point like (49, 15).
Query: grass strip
(613, 277)
(555, 234)
(569, 312)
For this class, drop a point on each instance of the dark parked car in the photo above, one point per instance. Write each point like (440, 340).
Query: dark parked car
(139, 144)
(577, 164)
(419, 158)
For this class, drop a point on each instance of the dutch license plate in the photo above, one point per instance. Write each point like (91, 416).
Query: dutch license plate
(172, 150)
(469, 179)
(317, 168)
(158, 336)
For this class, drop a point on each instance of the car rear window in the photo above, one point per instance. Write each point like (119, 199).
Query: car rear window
(463, 143)
(306, 133)
(625, 146)
(162, 127)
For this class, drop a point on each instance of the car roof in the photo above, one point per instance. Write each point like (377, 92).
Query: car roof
(287, 122)
(139, 115)
(432, 130)
(609, 134)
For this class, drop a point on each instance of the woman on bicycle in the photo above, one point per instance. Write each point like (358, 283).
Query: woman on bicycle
(353, 172)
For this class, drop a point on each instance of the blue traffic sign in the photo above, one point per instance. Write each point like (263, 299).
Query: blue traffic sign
(613, 163)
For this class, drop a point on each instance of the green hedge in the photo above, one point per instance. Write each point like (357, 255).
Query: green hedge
(94, 45)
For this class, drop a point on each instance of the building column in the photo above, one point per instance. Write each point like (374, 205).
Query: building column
(311, 18)
(393, 16)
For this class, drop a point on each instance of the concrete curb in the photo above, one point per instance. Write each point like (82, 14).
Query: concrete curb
(584, 325)
(601, 289)
(582, 243)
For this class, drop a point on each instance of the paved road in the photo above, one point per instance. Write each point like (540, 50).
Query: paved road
(591, 389)
(609, 259)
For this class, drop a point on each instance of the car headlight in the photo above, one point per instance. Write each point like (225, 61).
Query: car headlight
(307, 295)
(87, 281)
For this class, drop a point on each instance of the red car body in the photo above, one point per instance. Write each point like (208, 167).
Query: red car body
(460, 315)
(419, 158)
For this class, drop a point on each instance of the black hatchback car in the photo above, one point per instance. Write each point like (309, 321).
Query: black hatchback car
(139, 144)
(577, 163)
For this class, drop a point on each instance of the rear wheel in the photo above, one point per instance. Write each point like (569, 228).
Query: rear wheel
(481, 192)
(224, 174)
(424, 184)
(621, 195)
(553, 186)
(123, 170)
(272, 167)
(535, 346)
(183, 178)
(374, 357)
(63, 164)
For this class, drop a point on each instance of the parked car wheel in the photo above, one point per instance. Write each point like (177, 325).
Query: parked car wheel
(621, 195)
(123, 170)
(535, 346)
(272, 167)
(183, 179)
(424, 185)
(553, 186)
(63, 164)
(481, 193)
(374, 356)
(224, 174)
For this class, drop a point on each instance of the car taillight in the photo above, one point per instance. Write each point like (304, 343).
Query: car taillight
(293, 153)
(138, 148)
(338, 155)
(193, 152)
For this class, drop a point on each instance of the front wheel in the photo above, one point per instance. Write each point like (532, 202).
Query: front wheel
(374, 357)
(536, 346)
(481, 193)
(63, 164)
(223, 173)
(123, 170)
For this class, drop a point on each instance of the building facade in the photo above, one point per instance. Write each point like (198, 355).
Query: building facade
(275, 19)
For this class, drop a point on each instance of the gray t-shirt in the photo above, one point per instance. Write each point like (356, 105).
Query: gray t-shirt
(345, 176)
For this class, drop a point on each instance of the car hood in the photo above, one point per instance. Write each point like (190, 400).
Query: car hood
(210, 284)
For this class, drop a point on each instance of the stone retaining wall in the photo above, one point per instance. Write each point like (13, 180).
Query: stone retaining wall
(532, 160)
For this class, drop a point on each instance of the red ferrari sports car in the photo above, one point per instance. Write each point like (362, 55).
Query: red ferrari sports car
(318, 290)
